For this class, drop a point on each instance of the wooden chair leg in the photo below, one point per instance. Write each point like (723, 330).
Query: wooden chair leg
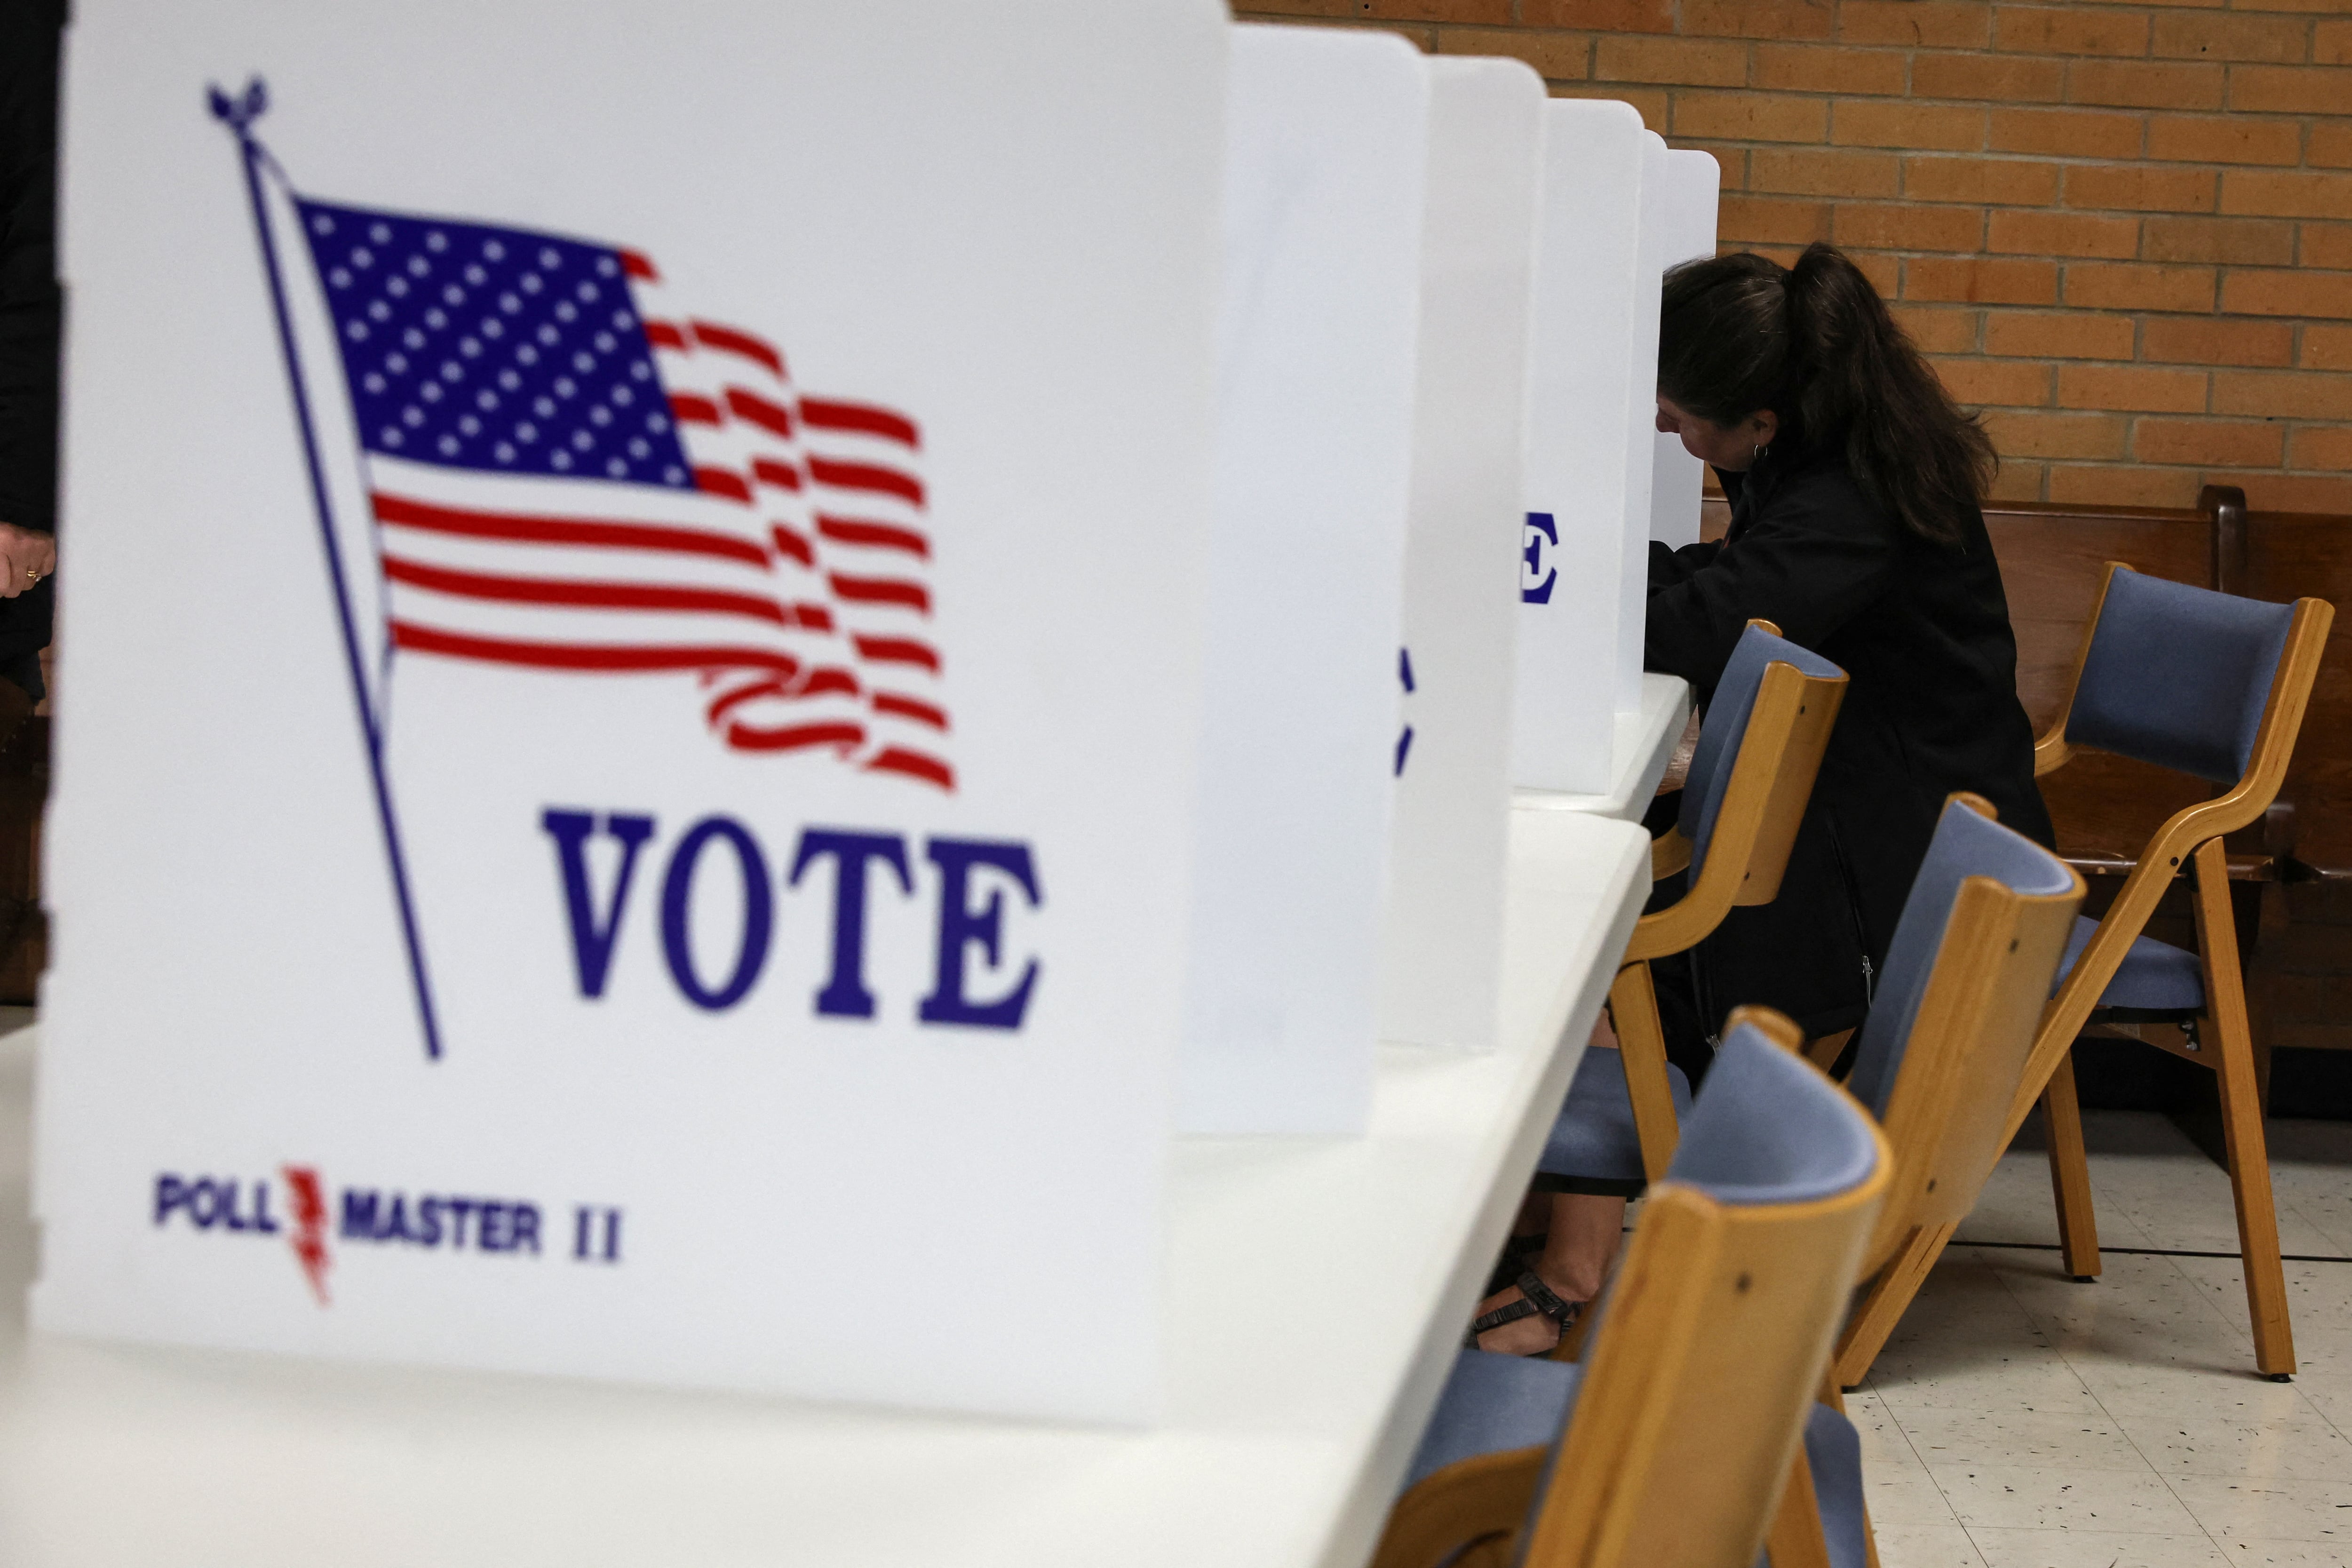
(2070, 1172)
(1641, 1038)
(1882, 1308)
(1796, 1540)
(2241, 1119)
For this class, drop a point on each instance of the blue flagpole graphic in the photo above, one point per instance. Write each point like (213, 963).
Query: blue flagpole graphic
(238, 115)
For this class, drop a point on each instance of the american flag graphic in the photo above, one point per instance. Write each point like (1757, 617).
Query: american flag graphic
(573, 471)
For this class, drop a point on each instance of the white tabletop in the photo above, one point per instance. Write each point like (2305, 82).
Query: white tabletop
(1644, 744)
(1316, 1288)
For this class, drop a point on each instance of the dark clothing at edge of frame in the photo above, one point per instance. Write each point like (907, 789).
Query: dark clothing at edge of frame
(1922, 631)
(29, 308)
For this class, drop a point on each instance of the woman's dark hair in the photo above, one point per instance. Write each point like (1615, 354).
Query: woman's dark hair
(1814, 345)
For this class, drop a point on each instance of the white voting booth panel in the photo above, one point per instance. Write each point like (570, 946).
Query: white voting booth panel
(1684, 217)
(1442, 927)
(681, 874)
(1328, 134)
(1584, 341)
(1641, 428)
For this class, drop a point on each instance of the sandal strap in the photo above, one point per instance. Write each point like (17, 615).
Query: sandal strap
(1508, 1312)
(1546, 1300)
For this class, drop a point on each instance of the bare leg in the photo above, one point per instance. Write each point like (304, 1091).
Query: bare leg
(1579, 1245)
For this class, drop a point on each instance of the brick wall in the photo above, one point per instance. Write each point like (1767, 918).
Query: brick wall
(2124, 231)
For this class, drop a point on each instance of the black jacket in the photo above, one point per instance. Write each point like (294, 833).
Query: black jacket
(1922, 632)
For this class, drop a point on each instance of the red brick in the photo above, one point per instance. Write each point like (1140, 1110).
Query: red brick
(1860, 123)
(2223, 139)
(2231, 241)
(2331, 45)
(2051, 31)
(2330, 146)
(1750, 117)
(1938, 332)
(2017, 434)
(1993, 383)
(1491, 12)
(1649, 103)
(1808, 68)
(2057, 334)
(2127, 286)
(2327, 7)
(1934, 23)
(2135, 187)
(2328, 245)
(2236, 443)
(1697, 62)
(2323, 347)
(2131, 389)
(1752, 218)
(2006, 181)
(2068, 132)
(2185, 340)
(2290, 492)
(1757, 18)
(2283, 394)
(2141, 84)
(2248, 292)
(1908, 227)
(2009, 78)
(1601, 16)
(1731, 162)
(2062, 234)
(2115, 484)
(2016, 481)
(1981, 281)
(2292, 90)
(1813, 172)
(1884, 272)
(2228, 36)
(2320, 447)
(1556, 57)
(2285, 194)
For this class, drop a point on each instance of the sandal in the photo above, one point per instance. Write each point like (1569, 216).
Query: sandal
(1519, 1253)
(1535, 1297)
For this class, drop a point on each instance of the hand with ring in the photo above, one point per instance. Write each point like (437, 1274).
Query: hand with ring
(27, 555)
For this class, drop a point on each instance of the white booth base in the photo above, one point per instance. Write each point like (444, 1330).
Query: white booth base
(1644, 745)
(1317, 1289)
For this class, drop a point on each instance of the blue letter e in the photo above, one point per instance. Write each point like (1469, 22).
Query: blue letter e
(1538, 523)
(961, 926)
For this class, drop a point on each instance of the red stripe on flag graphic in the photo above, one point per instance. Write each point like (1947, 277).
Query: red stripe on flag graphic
(881, 591)
(866, 477)
(914, 764)
(736, 341)
(594, 657)
(878, 535)
(753, 409)
(597, 596)
(859, 418)
(743, 737)
(907, 708)
(898, 650)
(400, 511)
(716, 481)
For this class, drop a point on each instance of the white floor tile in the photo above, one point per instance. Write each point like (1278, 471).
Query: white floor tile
(2092, 1549)
(1926, 1546)
(2279, 1510)
(2286, 1555)
(2040, 1497)
(2065, 1440)
(2330, 1395)
(2192, 1443)
(2317, 1307)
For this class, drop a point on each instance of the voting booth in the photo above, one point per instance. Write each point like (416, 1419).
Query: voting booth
(1684, 218)
(1327, 140)
(638, 687)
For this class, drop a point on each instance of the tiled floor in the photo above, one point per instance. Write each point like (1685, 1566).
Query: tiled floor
(2020, 1420)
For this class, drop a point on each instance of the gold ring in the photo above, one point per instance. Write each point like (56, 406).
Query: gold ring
(31, 575)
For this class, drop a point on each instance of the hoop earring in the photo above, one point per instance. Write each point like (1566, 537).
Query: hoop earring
(1756, 455)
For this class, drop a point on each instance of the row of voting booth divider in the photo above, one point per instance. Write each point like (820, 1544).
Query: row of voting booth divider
(1279, 448)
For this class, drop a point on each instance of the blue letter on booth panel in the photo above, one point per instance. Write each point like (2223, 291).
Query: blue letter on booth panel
(961, 926)
(845, 994)
(592, 940)
(1538, 523)
(758, 912)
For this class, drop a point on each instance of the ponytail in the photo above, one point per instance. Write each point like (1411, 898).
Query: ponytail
(1816, 345)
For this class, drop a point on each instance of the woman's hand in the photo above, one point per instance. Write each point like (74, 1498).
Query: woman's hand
(27, 555)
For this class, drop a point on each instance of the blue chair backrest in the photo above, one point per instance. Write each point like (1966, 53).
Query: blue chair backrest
(2178, 676)
(1725, 726)
(1768, 1128)
(1966, 844)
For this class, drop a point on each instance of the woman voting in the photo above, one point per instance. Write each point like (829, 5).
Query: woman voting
(1856, 528)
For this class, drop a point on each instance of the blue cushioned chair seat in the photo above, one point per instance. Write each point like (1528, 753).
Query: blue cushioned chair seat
(1833, 1450)
(1594, 1138)
(2155, 975)
(1494, 1403)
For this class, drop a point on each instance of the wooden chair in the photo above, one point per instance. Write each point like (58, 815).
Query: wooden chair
(1938, 1061)
(1671, 1445)
(2214, 687)
(1750, 781)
